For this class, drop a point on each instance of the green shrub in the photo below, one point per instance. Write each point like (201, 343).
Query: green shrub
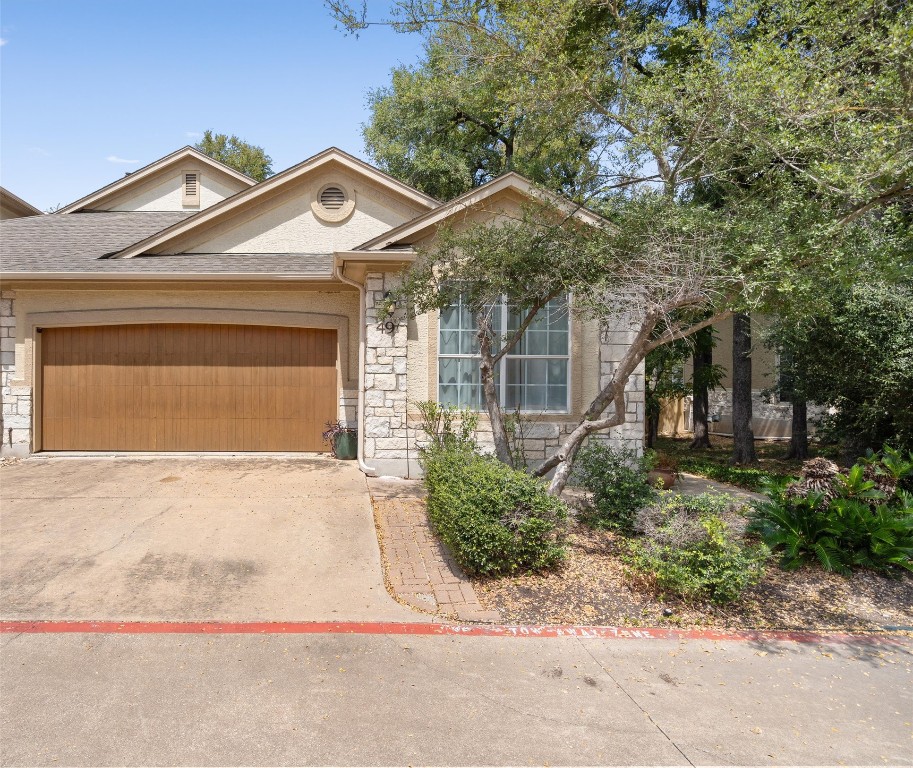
(617, 479)
(495, 520)
(855, 523)
(691, 546)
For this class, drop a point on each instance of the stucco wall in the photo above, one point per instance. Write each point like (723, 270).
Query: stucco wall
(167, 195)
(331, 306)
(288, 224)
(763, 359)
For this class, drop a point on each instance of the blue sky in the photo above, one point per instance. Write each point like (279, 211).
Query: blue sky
(87, 84)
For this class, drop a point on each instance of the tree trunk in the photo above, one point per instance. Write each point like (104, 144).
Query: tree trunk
(700, 405)
(743, 451)
(798, 441)
(612, 394)
(652, 429)
(492, 400)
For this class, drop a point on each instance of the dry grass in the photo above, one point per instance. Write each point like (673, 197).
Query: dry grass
(593, 588)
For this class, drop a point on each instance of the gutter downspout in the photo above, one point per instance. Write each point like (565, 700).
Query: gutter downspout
(362, 342)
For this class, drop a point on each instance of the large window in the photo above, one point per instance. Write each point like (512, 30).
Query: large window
(533, 377)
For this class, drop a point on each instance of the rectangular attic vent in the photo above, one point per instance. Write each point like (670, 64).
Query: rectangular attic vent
(191, 191)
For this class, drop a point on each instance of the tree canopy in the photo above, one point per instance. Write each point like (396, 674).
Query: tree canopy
(748, 152)
(793, 118)
(236, 153)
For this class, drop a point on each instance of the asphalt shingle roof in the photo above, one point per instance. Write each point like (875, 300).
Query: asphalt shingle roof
(77, 242)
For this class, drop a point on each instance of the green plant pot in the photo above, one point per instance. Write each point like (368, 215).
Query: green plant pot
(345, 445)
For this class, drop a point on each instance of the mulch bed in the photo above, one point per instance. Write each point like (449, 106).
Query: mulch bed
(593, 588)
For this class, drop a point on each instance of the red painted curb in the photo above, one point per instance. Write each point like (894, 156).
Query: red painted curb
(449, 630)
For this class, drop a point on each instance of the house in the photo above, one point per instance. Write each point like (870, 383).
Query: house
(13, 207)
(186, 308)
(771, 407)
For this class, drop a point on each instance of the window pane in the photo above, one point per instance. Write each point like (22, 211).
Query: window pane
(448, 370)
(458, 382)
(449, 318)
(557, 372)
(450, 343)
(557, 343)
(536, 343)
(558, 315)
(447, 394)
(468, 343)
(557, 398)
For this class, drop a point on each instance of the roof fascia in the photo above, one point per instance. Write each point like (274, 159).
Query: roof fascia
(269, 187)
(474, 197)
(148, 171)
(14, 201)
(170, 276)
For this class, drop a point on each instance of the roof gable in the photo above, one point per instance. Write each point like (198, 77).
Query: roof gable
(208, 225)
(505, 187)
(12, 206)
(226, 181)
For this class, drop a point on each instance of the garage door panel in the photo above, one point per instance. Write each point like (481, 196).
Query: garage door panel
(183, 387)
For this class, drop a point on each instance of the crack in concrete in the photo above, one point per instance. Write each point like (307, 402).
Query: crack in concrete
(75, 563)
(633, 700)
(10, 641)
(474, 692)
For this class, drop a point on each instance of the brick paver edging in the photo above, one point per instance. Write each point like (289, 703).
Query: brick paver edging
(446, 630)
(418, 570)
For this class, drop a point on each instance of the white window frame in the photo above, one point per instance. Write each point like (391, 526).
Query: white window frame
(502, 363)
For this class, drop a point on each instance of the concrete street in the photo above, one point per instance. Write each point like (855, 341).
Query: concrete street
(81, 699)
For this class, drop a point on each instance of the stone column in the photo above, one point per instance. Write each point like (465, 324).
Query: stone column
(16, 424)
(616, 338)
(389, 446)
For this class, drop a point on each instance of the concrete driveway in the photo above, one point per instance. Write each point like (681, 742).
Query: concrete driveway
(189, 538)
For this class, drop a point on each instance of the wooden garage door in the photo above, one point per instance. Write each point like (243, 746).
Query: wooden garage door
(182, 387)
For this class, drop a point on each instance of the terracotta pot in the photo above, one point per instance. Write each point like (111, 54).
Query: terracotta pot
(667, 476)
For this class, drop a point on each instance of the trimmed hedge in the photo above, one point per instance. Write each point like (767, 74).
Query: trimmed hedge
(495, 520)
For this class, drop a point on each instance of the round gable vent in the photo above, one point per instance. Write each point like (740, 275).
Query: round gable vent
(333, 203)
(332, 198)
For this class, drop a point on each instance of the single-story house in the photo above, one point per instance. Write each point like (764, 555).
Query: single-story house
(187, 308)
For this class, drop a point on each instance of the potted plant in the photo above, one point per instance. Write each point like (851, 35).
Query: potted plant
(662, 469)
(343, 440)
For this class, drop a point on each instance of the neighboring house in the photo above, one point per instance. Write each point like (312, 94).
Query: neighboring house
(771, 408)
(14, 207)
(187, 308)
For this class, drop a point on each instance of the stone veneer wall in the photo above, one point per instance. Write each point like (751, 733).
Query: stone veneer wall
(16, 423)
(387, 432)
(392, 433)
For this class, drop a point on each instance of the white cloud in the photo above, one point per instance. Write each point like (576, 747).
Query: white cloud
(116, 159)
(3, 41)
(193, 135)
(38, 151)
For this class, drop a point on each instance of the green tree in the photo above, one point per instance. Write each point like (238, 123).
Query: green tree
(450, 124)
(674, 283)
(857, 362)
(236, 153)
(765, 149)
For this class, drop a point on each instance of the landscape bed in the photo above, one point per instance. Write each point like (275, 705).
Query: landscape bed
(592, 587)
